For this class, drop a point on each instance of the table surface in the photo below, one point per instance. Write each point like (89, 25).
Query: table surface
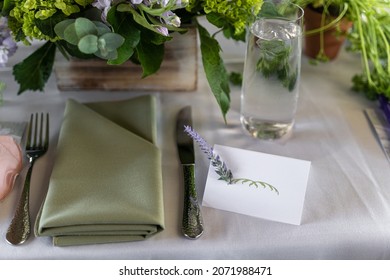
(346, 214)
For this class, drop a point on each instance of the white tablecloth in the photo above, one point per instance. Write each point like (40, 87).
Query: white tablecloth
(346, 214)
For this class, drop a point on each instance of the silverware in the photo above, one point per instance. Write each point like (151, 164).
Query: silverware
(37, 143)
(192, 224)
(381, 128)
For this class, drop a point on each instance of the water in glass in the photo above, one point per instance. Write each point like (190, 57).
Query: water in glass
(271, 77)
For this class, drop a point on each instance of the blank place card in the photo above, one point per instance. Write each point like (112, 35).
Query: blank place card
(266, 186)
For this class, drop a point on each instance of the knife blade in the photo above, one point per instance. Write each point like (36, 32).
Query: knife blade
(192, 223)
(381, 128)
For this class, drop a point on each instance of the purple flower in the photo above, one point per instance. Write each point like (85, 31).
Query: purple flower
(7, 44)
(215, 160)
(104, 6)
(171, 18)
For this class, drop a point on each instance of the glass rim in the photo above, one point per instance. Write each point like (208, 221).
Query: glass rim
(299, 12)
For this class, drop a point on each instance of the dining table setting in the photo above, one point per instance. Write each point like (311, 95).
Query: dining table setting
(117, 179)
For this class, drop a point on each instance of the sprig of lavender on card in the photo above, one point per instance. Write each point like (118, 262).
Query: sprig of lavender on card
(220, 166)
(215, 160)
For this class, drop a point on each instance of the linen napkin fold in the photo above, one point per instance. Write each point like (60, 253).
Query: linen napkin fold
(106, 184)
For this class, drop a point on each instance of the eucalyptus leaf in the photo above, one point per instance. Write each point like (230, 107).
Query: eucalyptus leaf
(101, 28)
(73, 50)
(113, 40)
(84, 26)
(60, 27)
(107, 55)
(88, 44)
(70, 34)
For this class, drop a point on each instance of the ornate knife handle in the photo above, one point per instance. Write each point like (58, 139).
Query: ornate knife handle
(192, 225)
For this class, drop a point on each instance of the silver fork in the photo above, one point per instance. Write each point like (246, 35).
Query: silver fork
(37, 143)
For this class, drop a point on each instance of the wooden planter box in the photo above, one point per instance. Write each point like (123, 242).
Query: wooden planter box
(178, 71)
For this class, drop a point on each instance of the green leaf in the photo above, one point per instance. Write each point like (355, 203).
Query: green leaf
(136, 16)
(70, 34)
(106, 55)
(216, 19)
(235, 78)
(60, 27)
(101, 28)
(113, 41)
(7, 6)
(84, 26)
(88, 44)
(34, 71)
(73, 50)
(83, 3)
(47, 26)
(124, 25)
(150, 57)
(268, 9)
(215, 71)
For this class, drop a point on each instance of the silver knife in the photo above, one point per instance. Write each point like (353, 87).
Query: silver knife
(192, 224)
(381, 128)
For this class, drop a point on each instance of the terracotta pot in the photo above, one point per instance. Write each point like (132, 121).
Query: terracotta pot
(333, 40)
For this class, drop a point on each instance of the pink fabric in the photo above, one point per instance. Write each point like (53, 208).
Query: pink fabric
(10, 164)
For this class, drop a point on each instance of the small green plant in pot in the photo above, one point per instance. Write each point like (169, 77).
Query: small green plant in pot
(369, 36)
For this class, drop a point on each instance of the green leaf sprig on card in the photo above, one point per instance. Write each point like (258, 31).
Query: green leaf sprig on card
(220, 166)
(122, 30)
(256, 184)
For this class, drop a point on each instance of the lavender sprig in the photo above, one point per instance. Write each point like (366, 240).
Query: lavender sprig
(216, 161)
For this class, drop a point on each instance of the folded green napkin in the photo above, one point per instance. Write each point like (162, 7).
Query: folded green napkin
(106, 184)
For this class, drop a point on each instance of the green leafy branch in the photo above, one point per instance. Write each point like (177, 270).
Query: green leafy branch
(274, 61)
(256, 184)
(91, 37)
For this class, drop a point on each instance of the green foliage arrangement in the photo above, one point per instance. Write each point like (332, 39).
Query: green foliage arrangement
(369, 36)
(122, 30)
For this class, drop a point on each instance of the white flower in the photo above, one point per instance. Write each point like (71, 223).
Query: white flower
(171, 19)
(104, 6)
(3, 56)
(162, 30)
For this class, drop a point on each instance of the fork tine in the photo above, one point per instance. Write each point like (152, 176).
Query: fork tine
(40, 144)
(34, 144)
(29, 132)
(47, 132)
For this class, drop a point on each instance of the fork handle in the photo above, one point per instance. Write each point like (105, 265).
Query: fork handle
(20, 228)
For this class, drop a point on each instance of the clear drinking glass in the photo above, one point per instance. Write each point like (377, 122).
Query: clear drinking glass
(272, 70)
